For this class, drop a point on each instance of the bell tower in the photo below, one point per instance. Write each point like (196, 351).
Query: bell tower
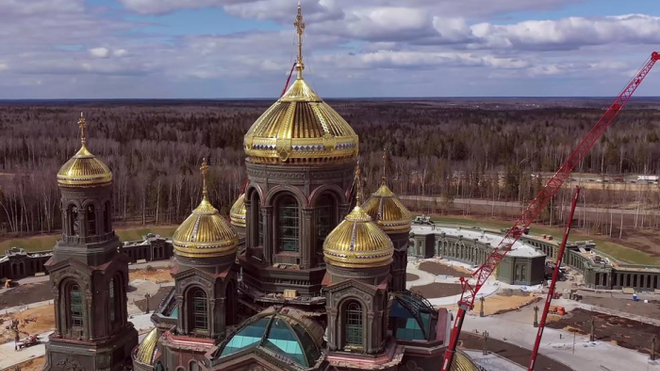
(88, 273)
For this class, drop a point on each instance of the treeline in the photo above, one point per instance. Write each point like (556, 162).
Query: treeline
(466, 150)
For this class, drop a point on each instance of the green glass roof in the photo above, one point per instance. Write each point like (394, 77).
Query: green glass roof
(413, 317)
(277, 333)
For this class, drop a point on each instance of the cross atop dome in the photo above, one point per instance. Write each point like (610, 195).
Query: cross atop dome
(205, 170)
(300, 30)
(82, 123)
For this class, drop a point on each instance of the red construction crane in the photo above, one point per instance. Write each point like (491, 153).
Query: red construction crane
(553, 283)
(536, 207)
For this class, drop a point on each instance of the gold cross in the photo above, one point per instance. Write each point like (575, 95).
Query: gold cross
(204, 169)
(82, 123)
(358, 185)
(300, 29)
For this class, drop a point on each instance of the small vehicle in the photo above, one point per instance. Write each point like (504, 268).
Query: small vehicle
(423, 220)
(26, 342)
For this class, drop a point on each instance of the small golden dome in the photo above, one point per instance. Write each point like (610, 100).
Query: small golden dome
(205, 233)
(388, 211)
(462, 362)
(147, 347)
(300, 128)
(83, 169)
(238, 212)
(357, 242)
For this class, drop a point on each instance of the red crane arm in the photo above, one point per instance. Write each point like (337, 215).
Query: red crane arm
(553, 282)
(536, 206)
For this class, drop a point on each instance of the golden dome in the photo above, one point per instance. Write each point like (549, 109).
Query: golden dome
(238, 212)
(205, 233)
(147, 347)
(83, 169)
(388, 211)
(462, 362)
(300, 128)
(357, 242)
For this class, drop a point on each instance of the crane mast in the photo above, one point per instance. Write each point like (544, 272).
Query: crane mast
(537, 205)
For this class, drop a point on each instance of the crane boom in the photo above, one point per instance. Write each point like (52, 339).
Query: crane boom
(553, 282)
(536, 206)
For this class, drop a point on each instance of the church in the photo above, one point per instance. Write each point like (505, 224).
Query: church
(304, 275)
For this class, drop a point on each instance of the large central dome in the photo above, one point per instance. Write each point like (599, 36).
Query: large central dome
(300, 128)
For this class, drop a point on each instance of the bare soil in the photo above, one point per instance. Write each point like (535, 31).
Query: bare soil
(35, 364)
(437, 290)
(411, 277)
(650, 309)
(511, 352)
(155, 300)
(646, 240)
(154, 275)
(621, 331)
(32, 321)
(441, 269)
(26, 294)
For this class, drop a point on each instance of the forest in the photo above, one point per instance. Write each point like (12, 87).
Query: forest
(461, 148)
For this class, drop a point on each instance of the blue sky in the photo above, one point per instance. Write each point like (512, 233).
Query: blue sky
(366, 48)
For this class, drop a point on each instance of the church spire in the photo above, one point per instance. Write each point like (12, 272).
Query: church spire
(205, 170)
(83, 124)
(300, 30)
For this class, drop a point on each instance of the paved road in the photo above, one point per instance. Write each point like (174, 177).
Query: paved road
(9, 357)
(516, 328)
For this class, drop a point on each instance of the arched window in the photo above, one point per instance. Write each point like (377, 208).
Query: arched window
(114, 290)
(325, 218)
(257, 219)
(194, 366)
(289, 224)
(230, 306)
(354, 325)
(200, 316)
(75, 307)
(91, 220)
(107, 217)
(74, 227)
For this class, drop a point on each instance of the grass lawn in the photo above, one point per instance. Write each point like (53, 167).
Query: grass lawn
(604, 244)
(46, 242)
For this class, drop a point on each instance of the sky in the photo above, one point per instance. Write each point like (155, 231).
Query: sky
(81, 49)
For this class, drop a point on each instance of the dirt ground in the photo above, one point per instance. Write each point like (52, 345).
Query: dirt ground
(621, 331)
(411, 277)
(437, 290)
(646, 240)
(26, 294)
(155, 300)
(506, 300)
(40, 320)
(650, 309)
(441, 269)
(511, 352)
(154, 275)
(35, 364)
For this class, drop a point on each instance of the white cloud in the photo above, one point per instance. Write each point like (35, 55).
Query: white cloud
(99, 52)
(119, 52)
(166, 6)
(570, 33)
(4, 66)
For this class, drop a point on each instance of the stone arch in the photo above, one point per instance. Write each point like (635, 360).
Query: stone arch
(191, 295)
(277, 192)
(327, 188)
(253, 187)
(340, 330)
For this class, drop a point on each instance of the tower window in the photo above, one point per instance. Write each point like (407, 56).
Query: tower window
(257, 219)
(107, 217)
(74, 227)
(200, 310)
(76, 307)
(325, 220)
(91, 220)
(354, 328)
(289, 223)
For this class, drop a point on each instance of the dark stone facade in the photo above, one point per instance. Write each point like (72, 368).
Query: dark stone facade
(89, 277)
